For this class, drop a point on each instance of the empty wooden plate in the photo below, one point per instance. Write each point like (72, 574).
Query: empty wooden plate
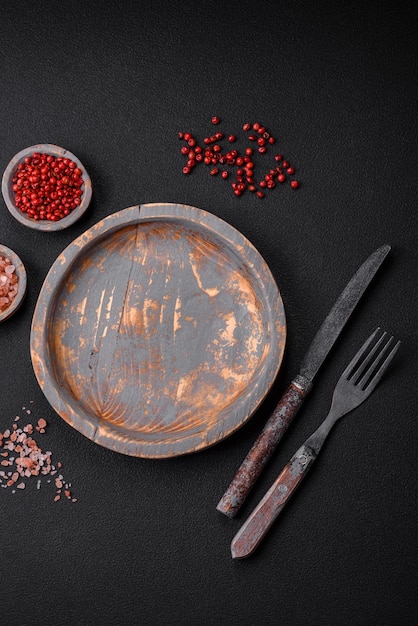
(158, 332)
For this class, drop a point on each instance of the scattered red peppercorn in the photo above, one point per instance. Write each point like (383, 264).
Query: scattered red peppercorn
(47, 187)
(212, 153)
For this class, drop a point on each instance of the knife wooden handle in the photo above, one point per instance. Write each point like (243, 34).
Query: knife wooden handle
(264, 446)
(261, 519)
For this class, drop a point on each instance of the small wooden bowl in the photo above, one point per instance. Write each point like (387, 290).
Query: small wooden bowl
(21, 274)
(8, 193)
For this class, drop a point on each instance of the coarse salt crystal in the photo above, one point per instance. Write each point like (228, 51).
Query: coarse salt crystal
(8, 283)
(29, 459)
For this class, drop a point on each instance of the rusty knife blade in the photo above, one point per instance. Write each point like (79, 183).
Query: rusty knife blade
(299, 388)
(340, 312)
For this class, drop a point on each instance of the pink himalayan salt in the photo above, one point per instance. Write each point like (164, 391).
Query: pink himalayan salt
(28, 460)
(9, 283)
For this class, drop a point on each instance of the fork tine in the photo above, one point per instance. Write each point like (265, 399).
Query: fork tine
(371, 384)
(357, 357)
(366, 363)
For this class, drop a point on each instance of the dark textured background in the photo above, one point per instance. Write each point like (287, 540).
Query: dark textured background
(336, 82)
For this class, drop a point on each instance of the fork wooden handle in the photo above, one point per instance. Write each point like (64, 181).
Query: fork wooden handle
(258, 523)
(264, 446)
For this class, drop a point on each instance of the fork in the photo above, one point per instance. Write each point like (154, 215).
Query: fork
(355, 385)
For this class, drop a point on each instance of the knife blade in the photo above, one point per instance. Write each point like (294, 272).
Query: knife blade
(301, 385)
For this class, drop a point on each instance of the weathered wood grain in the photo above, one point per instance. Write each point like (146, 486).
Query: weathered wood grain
(158, 332)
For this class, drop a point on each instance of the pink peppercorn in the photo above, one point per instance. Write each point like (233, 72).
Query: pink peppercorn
(47, 187)
(214, 154)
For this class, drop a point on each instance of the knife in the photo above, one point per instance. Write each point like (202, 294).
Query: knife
(301, 385)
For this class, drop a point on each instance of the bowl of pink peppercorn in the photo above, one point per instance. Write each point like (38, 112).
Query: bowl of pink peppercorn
(46, 187)
(12, 282)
